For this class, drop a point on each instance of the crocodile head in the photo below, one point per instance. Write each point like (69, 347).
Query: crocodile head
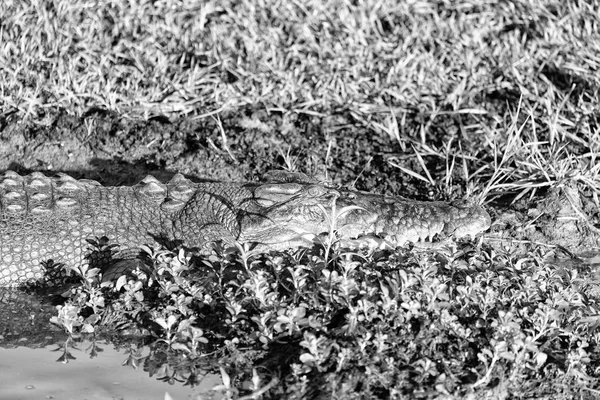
(285, 215)
(292, 214)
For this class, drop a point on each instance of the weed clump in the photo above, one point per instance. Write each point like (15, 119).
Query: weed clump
(308, 323)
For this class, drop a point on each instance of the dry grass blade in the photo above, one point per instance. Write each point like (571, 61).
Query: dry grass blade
(412, 173)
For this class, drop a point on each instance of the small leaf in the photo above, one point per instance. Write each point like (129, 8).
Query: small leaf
(171, 320)
(122, 281)
(307, 358)
(146, 249)
(225, 377)
(162, 323)
(255, 379)
(541, 358)
(180, 346)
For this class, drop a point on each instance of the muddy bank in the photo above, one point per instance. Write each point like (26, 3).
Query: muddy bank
(113, 150)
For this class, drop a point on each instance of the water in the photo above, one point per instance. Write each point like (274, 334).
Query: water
(39, 361)
(41, 373)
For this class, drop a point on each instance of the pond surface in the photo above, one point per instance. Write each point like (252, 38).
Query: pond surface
(41, 373)
(38, 360)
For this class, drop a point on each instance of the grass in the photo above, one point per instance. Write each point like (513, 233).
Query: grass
(493, 100)
(193, 59)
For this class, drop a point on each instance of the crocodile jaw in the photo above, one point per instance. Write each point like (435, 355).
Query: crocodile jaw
(360, 218)
(399, 220)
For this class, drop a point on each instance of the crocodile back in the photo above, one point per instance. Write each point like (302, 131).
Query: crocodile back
(44, 218)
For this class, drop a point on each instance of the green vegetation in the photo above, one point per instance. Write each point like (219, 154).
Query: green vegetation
(373, 324)
(493, 100)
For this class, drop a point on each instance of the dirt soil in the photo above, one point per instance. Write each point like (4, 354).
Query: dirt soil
(116, 151)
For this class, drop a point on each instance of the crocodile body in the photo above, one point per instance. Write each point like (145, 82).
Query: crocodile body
(43, 218)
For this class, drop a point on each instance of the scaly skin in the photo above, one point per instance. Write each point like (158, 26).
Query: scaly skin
(45, 218)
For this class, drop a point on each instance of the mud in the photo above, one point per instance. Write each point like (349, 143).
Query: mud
(115, 150)
(241, 146)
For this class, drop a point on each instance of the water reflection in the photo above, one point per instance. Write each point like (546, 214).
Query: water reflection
(27, 373)
(39, 361)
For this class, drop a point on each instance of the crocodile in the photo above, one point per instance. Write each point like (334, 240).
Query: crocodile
(52, 219)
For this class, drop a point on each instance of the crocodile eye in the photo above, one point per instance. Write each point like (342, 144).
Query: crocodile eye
(314, 191)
